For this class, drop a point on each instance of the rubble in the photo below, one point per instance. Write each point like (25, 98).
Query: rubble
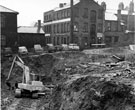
(78, 82)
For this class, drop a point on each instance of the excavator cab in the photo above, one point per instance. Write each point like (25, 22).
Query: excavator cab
(30, 82)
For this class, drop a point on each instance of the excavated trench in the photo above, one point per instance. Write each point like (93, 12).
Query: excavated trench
(78, 84)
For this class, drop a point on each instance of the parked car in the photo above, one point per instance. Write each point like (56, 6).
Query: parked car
(8, 52)
(38, 48)
(23, 50)
(65, 47)
(74, 47)
(58, 48)
(50, 48)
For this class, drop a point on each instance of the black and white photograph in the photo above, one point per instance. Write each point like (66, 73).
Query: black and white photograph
(67, 54)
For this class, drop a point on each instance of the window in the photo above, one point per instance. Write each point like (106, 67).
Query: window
(68, 12)
(54, 28)
(57, 28)
(49, 17)
(54, 16)
(65, 13)
(100, 27)
(108, 39)
(76, 12)
(3, 40)
(68, 27)
(93, 29)
(62, 13)
(85, 14)
(114, 26)
(57, 40)
(116, 39)
(65, 41)
(76, 26)
(61, 40)
(85, 28)
(62, 28)
(58, 15)
(108, 26)
(93, 16)
(65, 27)
(100, 14)
(93, 33)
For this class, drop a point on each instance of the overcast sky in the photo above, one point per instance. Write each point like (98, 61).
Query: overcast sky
(32, 10)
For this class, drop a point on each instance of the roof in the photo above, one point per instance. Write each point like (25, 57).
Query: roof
(5, 9)
(58, 21)
(29, 29)
(66, 6)
(123, 12)
(110, 16)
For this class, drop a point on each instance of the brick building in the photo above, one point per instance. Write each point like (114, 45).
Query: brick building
(30, 35)
(8, 20)
(120, 26)
(88, 22)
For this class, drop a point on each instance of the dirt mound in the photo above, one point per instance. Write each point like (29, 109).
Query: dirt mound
(86, 86)
(83, 92)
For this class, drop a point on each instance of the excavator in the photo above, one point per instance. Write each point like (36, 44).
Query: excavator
(31, 84)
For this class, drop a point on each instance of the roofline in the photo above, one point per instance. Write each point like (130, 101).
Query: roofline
(9, 9)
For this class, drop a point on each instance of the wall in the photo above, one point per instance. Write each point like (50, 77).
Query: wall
(9, 28)
(29, 39)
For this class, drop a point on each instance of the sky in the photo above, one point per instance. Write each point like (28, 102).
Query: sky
(31, 11)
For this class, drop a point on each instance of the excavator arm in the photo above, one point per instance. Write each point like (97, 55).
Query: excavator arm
(26, 70)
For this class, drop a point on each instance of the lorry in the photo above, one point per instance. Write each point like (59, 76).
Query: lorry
(31, 84)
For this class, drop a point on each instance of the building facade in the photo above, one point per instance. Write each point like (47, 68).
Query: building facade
(120, 26)
(29, 35)
(88, 22)
(8, 19)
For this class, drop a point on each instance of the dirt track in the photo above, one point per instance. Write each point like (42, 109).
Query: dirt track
(79, 84)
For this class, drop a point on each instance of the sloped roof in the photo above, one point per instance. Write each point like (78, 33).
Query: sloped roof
(123, 12)
(30, 29)
(5, 9)
(66, 6)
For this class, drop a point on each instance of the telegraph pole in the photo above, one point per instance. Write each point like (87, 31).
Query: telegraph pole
(71, 23)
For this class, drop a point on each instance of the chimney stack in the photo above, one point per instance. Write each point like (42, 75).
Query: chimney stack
(61, 5)
(39, 26)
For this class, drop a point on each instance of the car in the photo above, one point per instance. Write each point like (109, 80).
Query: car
(74, 47)
(23, 50)
(38, 48)
(65, 47)
(58, 48)
(50, 48)
(7, 52)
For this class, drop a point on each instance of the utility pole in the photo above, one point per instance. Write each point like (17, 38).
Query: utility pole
(71, 23)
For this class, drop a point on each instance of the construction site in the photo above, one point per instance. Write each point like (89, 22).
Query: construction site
(97, 79)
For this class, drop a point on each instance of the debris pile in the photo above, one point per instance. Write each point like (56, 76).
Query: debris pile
(95, 86)
(80, 82)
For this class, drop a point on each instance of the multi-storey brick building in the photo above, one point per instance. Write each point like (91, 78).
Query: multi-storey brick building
(8, 19)
(88, 22)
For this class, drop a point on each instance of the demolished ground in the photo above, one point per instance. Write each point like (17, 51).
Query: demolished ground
(82, 82)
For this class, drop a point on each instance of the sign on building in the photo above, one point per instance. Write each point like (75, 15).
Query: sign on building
(99, 34)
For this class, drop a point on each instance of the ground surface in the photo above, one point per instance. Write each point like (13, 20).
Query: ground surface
(82, 81)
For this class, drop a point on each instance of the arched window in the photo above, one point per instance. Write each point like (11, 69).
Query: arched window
(93, 15)
(93, 33)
